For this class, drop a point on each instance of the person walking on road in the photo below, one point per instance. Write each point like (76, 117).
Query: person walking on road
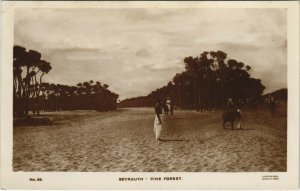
(158, 110)
(157, 120)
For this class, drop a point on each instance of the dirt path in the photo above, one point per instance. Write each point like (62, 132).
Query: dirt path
(123, 140)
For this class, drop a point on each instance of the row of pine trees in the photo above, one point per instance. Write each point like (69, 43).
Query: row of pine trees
(31, 94)
(207, 82)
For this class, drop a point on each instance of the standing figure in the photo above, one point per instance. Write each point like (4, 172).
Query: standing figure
(272, 105)
(157, 121)
(158, 110)
(166, 109)
(230, 105)
(170, 106)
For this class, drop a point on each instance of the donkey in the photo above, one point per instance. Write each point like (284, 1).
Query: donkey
(232, 116)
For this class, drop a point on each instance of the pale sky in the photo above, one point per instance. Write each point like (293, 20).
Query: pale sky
(136, 51)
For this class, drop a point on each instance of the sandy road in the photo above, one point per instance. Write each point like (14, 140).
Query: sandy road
(123, 140)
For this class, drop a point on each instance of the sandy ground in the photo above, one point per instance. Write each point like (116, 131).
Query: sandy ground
(124, 140)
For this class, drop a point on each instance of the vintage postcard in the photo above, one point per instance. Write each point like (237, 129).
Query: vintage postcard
(150, 95)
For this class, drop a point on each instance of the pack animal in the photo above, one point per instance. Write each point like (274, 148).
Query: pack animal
(232, 116)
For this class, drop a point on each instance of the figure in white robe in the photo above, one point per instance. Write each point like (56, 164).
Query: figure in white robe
(157, 128)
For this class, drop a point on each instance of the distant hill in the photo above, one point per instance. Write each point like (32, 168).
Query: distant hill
(280, 94)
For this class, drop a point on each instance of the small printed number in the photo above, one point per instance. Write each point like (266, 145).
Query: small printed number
(35, 179)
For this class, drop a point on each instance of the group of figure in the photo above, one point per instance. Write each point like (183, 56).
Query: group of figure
(231, 114)
(166, 106)
(252, 103)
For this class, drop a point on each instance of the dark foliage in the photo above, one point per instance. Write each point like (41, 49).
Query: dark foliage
(84, 96)
(31, 94)
(207, 82)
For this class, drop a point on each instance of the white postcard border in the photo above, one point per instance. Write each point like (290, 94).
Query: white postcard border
(110, 180)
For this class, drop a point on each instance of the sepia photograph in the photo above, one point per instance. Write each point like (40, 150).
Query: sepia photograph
(149, 89)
